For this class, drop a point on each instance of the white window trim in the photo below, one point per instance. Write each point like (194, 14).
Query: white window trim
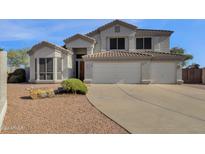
(117, 42)
(46, 69)
(143, 42)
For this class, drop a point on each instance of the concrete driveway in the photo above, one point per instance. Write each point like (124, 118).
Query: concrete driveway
(151, 108)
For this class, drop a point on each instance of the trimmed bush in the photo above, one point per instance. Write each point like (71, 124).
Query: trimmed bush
(74, 86)
(18, 76)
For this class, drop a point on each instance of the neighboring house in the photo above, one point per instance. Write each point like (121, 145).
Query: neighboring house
(117, 52)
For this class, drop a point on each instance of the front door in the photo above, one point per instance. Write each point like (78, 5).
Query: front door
(82, 70)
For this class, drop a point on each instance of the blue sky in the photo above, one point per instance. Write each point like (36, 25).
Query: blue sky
(16, 34)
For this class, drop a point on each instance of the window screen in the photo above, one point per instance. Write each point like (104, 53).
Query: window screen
(113, 43)
(147, 43)
(139, 43)
(46, 68)
(49, 64)
(121, 43)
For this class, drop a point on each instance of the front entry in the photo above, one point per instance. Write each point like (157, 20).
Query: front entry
(82, 70)
(79, 65)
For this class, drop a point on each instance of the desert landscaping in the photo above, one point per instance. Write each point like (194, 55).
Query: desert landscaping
(70, 113)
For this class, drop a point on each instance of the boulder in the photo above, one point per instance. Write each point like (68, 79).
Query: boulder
(18, 76)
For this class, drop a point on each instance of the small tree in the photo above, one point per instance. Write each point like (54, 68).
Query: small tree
(181, 51)
(18, 57)
(194, 65)
(1, 49)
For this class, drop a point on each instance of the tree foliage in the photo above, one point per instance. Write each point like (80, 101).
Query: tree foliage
(181, 51)
(1, 49)
(194, 65)
(17, 58)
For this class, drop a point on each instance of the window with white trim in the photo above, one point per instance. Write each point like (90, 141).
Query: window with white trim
(144, 43)
(117, 43)
(46, 68)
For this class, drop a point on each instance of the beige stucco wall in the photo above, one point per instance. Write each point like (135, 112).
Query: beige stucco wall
(47, 52)
(3, 86)
(110, 32)
(80, 43)
(159, 43)
(97, 46)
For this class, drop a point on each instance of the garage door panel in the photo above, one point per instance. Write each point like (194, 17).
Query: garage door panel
(163, 72)
(116, 72)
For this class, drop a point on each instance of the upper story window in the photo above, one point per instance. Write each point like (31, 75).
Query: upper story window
(144, 43)
(117, 43)
(117, 29)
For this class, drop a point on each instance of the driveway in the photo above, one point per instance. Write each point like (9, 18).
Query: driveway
(152, 108)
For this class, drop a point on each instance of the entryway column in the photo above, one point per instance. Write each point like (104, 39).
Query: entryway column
(38, 70)
(146, 72)
(179, 73)
(55, 69)
(88, 71)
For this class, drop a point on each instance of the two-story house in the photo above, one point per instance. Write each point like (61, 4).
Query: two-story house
(117, 52)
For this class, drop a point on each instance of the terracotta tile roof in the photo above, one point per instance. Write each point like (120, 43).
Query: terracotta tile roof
(48, 44)
(133, 55)
(116, 54)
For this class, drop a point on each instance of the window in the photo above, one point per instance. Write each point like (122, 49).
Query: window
(144, 43)
(139, 43)
(46, 68)
(117, 29)
(49, 70)
(147, 43)
(35, 69)
(117, 43)
(121, 43)
(113, 43)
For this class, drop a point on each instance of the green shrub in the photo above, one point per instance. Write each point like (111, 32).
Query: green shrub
(18, 76)
(75, 86)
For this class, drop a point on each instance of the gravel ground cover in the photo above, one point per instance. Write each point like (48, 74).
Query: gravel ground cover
(61, 114)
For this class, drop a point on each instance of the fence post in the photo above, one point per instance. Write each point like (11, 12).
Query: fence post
(203, 75)
(3, 86)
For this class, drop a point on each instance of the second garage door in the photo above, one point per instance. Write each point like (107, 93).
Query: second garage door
(163, 72)
(116, 72)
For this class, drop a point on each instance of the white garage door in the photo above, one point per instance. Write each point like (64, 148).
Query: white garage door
(116, 72)
(163, 72)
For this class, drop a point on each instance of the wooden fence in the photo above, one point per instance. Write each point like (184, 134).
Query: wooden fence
(192, 75)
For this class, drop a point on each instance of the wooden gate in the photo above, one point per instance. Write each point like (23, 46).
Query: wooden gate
(192, 75)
